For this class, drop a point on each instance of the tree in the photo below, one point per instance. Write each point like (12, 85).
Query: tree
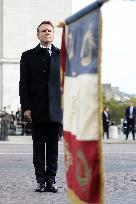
(116, 110)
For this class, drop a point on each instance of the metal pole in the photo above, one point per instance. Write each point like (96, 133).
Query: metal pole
(1, 53)
(101, 2)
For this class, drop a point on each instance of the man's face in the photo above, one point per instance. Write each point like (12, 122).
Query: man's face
(45, 34)
(107, 109)
(130, 104)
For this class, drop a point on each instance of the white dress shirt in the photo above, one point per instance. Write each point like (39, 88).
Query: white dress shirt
(107, 116)
(131, 112)
(49, 48)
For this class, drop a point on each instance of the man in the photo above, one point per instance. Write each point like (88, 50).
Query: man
(106, 120)
(130, 115)
(12, 120)
(40, 99)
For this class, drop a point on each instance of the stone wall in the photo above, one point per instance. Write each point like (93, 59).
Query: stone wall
(20, 21)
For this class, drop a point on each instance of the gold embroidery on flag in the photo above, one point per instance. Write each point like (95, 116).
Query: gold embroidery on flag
(68, 156)
(87, 47)
(75, 199)
(70, 47)
(83, 171)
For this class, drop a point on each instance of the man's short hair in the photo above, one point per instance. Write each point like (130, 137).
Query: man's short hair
(45, 22)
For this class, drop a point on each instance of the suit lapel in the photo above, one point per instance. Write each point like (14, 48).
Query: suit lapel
(54, 50)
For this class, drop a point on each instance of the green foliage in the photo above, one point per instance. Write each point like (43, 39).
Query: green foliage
(134, 101)
(117, 109)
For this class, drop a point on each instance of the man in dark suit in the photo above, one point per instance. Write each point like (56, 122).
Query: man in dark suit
(40, 99)
(106, 120)
(130, 115)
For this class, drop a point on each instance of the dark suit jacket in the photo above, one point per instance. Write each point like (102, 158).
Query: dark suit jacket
(106, 121)
(127, 113)
(33, 81)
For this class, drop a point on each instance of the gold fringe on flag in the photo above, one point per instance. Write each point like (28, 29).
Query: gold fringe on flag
(100, 113)
(75, 199)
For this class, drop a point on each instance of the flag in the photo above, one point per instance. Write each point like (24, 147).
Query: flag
(82, 108)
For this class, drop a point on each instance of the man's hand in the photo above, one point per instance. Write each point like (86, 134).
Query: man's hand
(27, 115)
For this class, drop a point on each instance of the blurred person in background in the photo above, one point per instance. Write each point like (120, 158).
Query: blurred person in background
(106, 120)
(12, 123)
(130, 115)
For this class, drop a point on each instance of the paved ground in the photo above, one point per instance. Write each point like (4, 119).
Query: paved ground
(120, 172)
(17, 179)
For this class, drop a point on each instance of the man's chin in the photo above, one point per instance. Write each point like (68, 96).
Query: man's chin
(47, 39)
(47, 42)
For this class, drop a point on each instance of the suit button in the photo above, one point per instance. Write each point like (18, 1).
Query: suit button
(43, 59)
(43, 70)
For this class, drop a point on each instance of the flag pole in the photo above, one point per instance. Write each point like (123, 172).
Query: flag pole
(101, 2)
(95, 4)
(79, 14)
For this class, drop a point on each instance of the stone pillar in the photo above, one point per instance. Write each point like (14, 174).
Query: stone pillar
(1, 53)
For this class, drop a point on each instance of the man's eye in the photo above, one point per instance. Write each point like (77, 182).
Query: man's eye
(45, 31)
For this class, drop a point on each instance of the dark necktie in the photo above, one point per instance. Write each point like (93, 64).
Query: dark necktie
(46, 52)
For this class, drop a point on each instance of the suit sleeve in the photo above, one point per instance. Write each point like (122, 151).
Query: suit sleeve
(127, 113)
(24, 83)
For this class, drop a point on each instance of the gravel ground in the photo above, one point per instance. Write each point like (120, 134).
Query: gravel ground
(120, 179)
(17, 183)
(121, 188)
(17, 179)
